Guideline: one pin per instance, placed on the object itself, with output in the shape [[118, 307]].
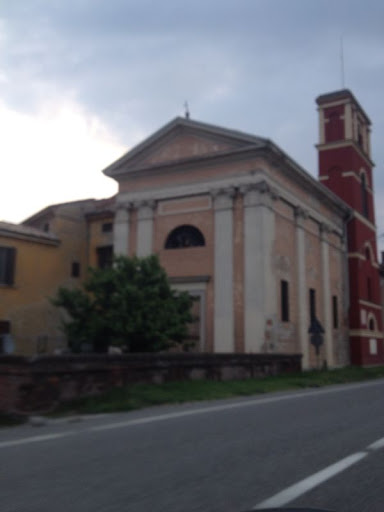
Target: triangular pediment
[[180, 146], [181, 140]]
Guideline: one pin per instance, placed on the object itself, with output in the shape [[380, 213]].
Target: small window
[[183, 237], [104, 256], [335, 312], [7, 265], [359, 135], [364, 195], [107, 227], [75, 269], [284, 301], [369, 288], [371, 324], [46, 227], [5, 329], [312, 304]]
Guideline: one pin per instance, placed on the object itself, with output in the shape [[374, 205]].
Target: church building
[[278, 261]]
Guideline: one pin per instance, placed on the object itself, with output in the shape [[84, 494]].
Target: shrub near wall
[[29, 385]]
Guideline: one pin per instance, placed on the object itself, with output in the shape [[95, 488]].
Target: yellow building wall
[[26, 303], [97, 238], [40, 268]]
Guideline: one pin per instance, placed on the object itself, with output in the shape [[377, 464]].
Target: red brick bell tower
[[345, 167]]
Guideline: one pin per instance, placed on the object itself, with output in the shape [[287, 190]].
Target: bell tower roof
[[342, 120], [342, 96]]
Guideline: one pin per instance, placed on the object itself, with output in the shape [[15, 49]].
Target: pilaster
[[145, 212], [327, 299], [259, 278], [223, 270], [302, 300], [121, 230]]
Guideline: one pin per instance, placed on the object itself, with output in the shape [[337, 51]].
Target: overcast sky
[[82, 81]]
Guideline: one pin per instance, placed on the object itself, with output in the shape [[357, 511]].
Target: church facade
[[270, 253], [239, 224]]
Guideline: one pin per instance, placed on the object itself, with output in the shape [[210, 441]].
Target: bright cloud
[[53, 156]]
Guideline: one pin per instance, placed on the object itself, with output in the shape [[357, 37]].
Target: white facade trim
[[365, 333], [370, 304], [363, 220], [302, 300], [224, 324], [326, 297], [144, 228], [121, 232], [201, 188], [259, 278]]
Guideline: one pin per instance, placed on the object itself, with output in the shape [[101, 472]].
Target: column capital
[[301, 215], [145, 208], [121, 209], [223, 198], [258, 194], [325, 229], [120, 203]]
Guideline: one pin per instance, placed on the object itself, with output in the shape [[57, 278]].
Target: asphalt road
[[322, 448]]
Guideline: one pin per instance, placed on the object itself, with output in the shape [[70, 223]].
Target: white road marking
[[192, 412], [376, 445], [225, 407], [35, 439], [295, 491], [201, 410]]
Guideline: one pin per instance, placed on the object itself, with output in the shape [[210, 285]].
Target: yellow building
[[50, 249]]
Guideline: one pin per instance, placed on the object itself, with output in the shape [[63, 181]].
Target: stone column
[[327, 299], [121, 230], [302, 292], [259, 278], [145, 211], [223, 270]]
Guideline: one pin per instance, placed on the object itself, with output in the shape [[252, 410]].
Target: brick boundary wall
[[38, 384]]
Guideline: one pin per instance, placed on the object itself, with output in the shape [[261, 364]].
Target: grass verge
[[137, 396], [10, 420]]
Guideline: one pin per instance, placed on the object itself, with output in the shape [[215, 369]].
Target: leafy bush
[[130, 305]]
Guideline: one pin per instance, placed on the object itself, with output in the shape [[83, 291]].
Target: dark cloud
[[251, 65]]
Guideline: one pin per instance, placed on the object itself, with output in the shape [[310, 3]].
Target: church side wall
[[299, 250], [285, 259]]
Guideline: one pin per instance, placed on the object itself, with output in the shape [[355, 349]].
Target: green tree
[[130, 305]]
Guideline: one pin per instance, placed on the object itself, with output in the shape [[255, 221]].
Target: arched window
[[364, 194], [359, 135], [184, 236], [371, 322]]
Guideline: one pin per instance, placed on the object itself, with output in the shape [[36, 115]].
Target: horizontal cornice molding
[[29, 238], [255, 178], [327, 146]]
